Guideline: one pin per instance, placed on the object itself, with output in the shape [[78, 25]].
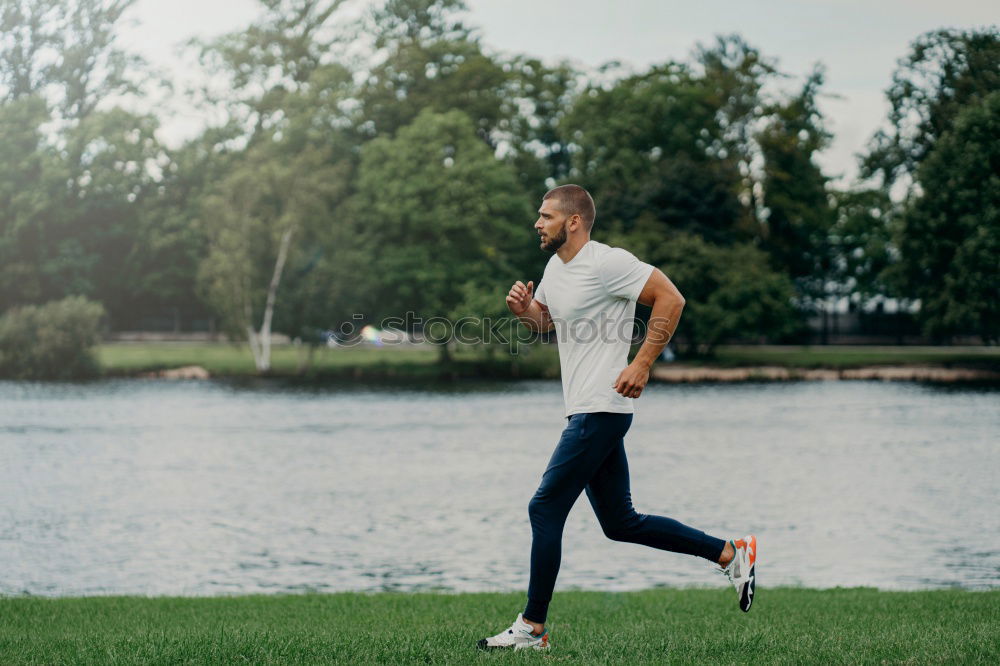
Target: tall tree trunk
[[444, 354], [272, 292], [248, 319], [260, 343]]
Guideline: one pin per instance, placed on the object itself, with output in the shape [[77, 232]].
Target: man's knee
[[537, 509], [621, 529], [616, 532], [545, 515]]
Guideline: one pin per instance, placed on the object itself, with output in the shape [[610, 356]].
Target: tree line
[[391, 163]]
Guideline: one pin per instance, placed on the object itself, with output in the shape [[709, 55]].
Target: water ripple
[[203, 488]]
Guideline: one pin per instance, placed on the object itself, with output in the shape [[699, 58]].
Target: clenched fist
[[520, 297]]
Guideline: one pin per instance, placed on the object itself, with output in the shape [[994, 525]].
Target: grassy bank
[[789, 626], [535, 360], [368, 362]]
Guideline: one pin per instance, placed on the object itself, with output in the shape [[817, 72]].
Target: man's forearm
[[534, 318], [663, 320]]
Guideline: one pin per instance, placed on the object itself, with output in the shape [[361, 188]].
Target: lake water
[[202, 488]]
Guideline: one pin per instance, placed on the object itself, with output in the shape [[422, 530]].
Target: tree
[[797, 210], [64, 51], [25, 185], [731, 290], [281, 54], [945, 71], [84, 168], [537, 99], [861, 243], [431, 61], [436, 215], [251, 220], [273, 223], [651, 145], [949, 237], [735, 74]]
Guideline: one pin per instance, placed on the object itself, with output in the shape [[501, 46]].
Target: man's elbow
[[674, 298]]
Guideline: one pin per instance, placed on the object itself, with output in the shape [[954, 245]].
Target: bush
[[731, 291], [51, 341]]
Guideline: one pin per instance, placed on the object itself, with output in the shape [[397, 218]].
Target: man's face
[[551, 225]]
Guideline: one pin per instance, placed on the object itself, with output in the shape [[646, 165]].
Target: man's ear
[[577, 220]]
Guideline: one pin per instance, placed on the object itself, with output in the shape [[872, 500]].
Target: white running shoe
[[518, 637], [741, 570]]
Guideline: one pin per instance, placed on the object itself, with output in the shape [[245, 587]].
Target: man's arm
[[521, 302], [667, 303]]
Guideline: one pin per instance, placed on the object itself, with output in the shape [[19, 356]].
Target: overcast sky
[[859, 41]]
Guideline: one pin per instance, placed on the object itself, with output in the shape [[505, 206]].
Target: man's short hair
[[574, 200]]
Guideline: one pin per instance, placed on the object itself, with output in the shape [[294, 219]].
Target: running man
[[588, 294]]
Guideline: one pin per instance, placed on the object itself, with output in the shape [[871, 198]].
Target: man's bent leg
[[611, 498], [584, 445]]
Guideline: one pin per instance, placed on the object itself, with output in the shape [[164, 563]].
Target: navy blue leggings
[[591, 456]]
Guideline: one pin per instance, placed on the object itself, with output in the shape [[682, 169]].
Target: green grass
[[788, 626], [535, 360], [369, 362]]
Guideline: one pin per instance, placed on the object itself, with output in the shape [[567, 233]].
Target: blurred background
[[249, 190]]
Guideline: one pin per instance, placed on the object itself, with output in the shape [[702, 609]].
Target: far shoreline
[[408, 365], [663, 374]]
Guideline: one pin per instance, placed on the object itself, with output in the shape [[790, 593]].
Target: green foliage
[[70, 224], [24, 201], [431, 63], [482, 321], [51, 341], [268, 200], [434, 211], [537, 99], [731, 291], [89, 68], [281, 54], [403, 179], [76, 174], [945, 71], [950, 236], [650, 146], [798, 211], [735, 75], [861, 243]]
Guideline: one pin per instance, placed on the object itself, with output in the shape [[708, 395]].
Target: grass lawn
[[386, 362], [790, 626], [535, 360]]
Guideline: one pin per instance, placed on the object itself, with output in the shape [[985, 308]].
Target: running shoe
[[518, 637], [741, 570]]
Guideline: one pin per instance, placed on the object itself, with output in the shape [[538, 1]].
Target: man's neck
[[572, 247]]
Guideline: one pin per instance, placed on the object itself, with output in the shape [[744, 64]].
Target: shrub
[[731, 291], [51, 341]]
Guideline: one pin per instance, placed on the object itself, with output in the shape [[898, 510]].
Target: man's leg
[[585, 443], [611, 498]]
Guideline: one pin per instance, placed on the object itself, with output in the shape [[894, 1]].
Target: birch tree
[[252, 221]]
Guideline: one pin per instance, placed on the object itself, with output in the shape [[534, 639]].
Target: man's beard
[[555, 242]]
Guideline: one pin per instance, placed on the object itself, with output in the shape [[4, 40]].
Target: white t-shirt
[[591, 299]]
